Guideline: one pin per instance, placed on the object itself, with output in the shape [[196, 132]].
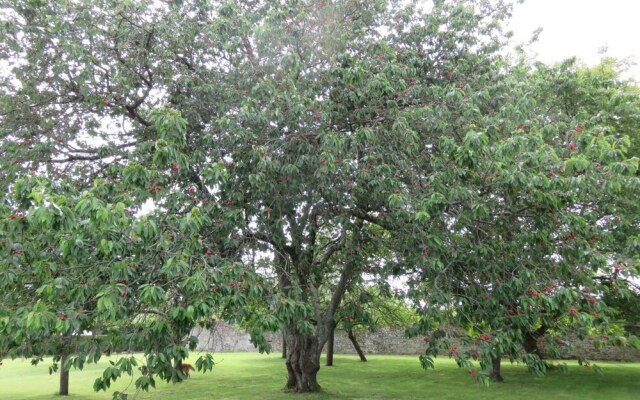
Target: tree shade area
[[292, 165]]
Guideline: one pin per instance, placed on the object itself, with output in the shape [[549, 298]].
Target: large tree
[[543, 220]]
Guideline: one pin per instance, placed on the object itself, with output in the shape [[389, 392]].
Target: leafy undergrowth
[[255, 376]]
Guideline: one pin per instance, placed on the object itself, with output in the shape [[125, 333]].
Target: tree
[[368, 307], [83, 280], [537, 212], [284, 125]]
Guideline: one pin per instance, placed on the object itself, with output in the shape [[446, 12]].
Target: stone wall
[[223, 337], [383, 341], [585, 348]]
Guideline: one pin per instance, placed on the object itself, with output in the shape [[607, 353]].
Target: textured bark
[[64, 377], [303, 360], [495, 374], [284, 346], [332, 334], [352, 337]]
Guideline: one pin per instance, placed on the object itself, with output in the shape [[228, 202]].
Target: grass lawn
[[256, 376]]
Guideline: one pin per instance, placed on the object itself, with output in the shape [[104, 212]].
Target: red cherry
[[175, 167]]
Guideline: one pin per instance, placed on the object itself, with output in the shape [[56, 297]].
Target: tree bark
[[495, 374], [303, 360], [64, 377], [284, 346], [530, 345], [332, 333], [352, 337]]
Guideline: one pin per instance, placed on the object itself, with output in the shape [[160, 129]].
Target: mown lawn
[[255, 376]]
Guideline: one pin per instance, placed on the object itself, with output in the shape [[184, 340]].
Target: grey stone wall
[[383, 341], [223, 337], [585, 348]]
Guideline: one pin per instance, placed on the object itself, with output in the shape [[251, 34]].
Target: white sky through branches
[[580, 28]]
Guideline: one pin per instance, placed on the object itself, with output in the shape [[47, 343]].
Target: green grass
[[255, 376]]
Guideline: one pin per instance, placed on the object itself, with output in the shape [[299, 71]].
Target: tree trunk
[[303, 360], [284, 345], [352, 337], [332, 333], [64, 377], [530, 344], [495, 374], [177, 366]]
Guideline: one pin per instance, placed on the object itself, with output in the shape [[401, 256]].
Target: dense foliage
[[542, 220]]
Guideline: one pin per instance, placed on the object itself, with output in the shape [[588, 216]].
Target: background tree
[[368, 308]]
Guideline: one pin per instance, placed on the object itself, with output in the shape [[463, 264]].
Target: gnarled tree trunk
[[352, 337], [64, 377], [303, 360], [495, 374]]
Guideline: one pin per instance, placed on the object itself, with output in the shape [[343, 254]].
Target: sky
[[580, 28]]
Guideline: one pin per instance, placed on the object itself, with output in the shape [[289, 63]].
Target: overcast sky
[[580, 28]]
